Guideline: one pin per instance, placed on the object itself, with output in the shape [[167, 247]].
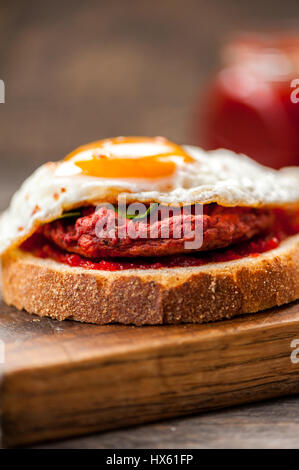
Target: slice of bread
[[170, 295]]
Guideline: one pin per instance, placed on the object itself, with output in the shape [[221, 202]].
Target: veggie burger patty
[[222, 226]]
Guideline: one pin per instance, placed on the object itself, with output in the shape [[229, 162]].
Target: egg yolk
[[129, 157]]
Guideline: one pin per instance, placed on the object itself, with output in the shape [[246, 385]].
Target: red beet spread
[[284, 225]]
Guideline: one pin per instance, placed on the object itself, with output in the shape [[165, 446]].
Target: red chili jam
[[285, 225]]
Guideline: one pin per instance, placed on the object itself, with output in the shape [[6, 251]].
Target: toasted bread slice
[[153, 296]]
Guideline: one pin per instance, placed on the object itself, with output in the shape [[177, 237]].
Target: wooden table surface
[[273, 424], [76, 71], [269, 425]]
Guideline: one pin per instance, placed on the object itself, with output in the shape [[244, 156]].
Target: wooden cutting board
[[65, 378]]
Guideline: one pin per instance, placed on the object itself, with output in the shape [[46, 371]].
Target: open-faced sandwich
[[143, 231]]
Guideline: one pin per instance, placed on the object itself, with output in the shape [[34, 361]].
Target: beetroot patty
[[222, 226]]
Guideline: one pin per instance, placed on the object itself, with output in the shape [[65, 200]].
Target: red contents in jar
[[251, 106]]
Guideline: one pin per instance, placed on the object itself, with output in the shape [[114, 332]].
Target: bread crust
[[150, 297]]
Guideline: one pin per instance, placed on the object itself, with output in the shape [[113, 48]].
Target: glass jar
[[252, 104]]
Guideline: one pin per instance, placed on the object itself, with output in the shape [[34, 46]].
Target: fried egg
[[143, 169]]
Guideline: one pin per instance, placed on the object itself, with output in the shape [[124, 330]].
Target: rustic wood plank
[[63, 379]]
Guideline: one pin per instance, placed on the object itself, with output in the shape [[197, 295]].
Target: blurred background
[[78, 71]]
